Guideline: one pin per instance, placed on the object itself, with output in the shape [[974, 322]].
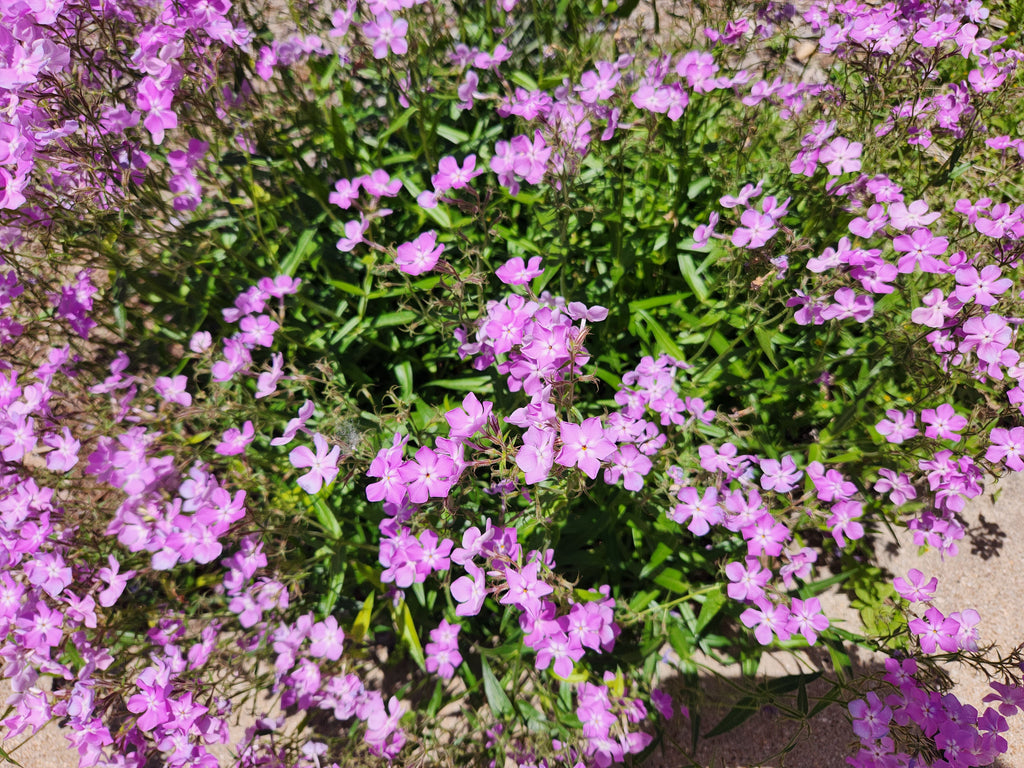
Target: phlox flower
[[386, 33], [234, 441], [899, 487], [779, 476], [354, 231], [173, 390], [935, 631], [981, 287], [469, 591], [913, 588], [943, 422], [64, 455], [841, 156], [266, 383], [378, 183], [598, 85], [327, 639], [988, 336], [807, 619], [345, 193], [537, 454], [843, 521], [1007, 446], [420, 255], [898, 427], [747, 581], [702, 511], [429, 475], [470, 418], [323, 466], [559, 652], [516, 272], [294, 425], [629, 464], [871, 717], [442, 653], [584, 446], [757, 229], [769, 620], [450, 175]]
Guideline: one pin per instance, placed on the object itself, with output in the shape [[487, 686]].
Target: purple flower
[[327, 639], [323, 466], [584, 446], [914, 588], [419, 255], [757, 229], [469, 591], [173, 390], [841, 156], [235, 441], [387, 33], [516, 272]]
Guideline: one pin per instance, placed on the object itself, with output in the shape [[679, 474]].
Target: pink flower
[[584, 446], [323, 466], [943, 422], [757, 229], [841, 156], [235, 441], [469, 591], [898, 426], [387, 32], [516, 272], [173, 390], [419, 255]]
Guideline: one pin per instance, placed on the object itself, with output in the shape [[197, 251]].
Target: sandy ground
[[986, 575]]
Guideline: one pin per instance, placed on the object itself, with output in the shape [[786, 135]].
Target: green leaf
[[326, 517], [361, 625], [434, 705], [411, 638], [745, 709], [764, 339], [694, 280], [454, 135], [496, 697], [672, 580], [713, 603], [661, 554], [299, 252], [661, 335], [781, 685], [398, 123], [479, 384]]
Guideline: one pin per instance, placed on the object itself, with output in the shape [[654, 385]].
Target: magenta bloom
[[387, 33], [327, 639], [769, 620], [757, 229], [914, 588], [870, 717], [525, 589], [584, 446], [841, 156], [1007, 446], [469, 591], [898, 426], [516, 272], [235, 441], [943, 422], [419, 255], [323, 466]]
